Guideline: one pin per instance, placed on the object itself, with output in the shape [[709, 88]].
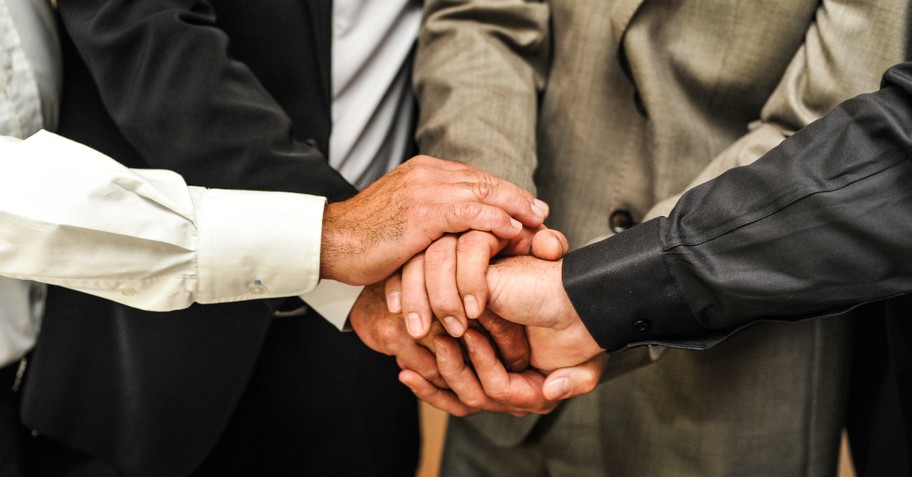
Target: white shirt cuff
[[334, 300], [257, 244]]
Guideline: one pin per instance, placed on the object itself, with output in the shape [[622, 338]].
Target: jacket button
[[311, 142], [620, 220], [641, 326]]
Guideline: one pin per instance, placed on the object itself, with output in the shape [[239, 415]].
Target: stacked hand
[[525, 290], [463, 332]]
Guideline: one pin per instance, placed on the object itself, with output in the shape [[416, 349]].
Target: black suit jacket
[[230, 94]]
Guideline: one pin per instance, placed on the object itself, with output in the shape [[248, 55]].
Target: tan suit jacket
[[612, 108]]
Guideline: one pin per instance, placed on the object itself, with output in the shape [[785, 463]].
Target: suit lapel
[[621, 15]]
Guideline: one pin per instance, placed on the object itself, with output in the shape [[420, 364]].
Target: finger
[[422, 361], [474, 250], [510, 339], [516, 201], [575, 381], [458, 217], [479, 186], [440, 279], [415, 307], [519, 245], [460, 377], [521, 391], [549, 244], [491, 374], [427, 341], [393, 290], [439, 398]]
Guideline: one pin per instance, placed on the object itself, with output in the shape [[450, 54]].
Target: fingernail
[[540, 207], [413, 325], [394, 302], [516, 224], [454, 326], [471, 306], [559, 388], [557, 241]]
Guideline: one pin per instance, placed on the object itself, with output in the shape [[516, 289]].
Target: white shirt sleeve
[[333, 301], [73, 217]]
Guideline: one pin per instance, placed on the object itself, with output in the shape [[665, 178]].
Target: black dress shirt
[[819, 225]]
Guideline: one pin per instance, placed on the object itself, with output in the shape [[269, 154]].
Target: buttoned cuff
[[624, 294], [257, 244]]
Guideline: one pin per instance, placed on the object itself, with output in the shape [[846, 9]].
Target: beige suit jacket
[[608, 107]]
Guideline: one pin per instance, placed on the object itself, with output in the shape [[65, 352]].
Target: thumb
[[574, 381], [528, 291], [549, 244]]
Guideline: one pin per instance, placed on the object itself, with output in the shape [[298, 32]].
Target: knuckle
[[474, 401], [433, 376], [389, 332], [420, 172], [483, 187], [446, 306], [438, 252], [499, 327], [469, 211], [498, 393], [474, 242]]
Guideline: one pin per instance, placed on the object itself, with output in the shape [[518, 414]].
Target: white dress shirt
[[29, 96], [372, 103], [73, 217], [372, 107], [372, 112]]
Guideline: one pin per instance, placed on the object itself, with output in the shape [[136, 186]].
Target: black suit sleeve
[[167, 78], [820, 224]]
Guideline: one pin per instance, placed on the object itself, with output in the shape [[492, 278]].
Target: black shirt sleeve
[[819, 225]]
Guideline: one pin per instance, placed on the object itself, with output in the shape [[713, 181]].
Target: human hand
[[385, 333], [449, 279], [530, 291], [368, 237], [491, 387]]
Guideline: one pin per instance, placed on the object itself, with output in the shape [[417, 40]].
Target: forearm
[[821, 223], [75, 218]]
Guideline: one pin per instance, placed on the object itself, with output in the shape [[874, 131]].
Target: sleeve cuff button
[[257, 288]]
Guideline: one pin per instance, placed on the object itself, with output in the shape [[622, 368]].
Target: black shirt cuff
[[623, 292]]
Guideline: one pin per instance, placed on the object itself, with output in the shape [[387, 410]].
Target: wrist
[[331, 244]]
